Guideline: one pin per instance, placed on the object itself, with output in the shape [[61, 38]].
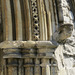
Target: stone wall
[[67, 13]]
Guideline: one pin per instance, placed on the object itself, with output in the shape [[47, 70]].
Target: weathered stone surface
[[28, 44], [65, 56], [63, 33], [65, 53], [37, 37]]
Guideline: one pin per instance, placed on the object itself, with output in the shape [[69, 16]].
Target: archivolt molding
[[35, 19]]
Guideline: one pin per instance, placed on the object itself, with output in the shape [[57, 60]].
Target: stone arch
[[29, 20], [32, 24]]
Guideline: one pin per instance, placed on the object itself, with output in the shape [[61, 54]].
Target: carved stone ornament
[[63, 32]]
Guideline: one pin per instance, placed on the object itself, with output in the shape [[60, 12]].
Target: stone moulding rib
[[28, 49], [18, 19], [7, 20]]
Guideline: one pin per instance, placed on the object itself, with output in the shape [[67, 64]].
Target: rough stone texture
[[65, 53], [65, 56], [67, 13]]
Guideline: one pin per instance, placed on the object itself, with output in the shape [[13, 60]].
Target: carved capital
[[25, 49]]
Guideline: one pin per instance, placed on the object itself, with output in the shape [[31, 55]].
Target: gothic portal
[[27, 28]]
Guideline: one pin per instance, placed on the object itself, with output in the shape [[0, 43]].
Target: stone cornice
[[28, 49], [28, 44]]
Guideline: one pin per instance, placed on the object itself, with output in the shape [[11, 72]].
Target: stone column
[[18, 19], [29, 58], [7, 19], [11, 61]]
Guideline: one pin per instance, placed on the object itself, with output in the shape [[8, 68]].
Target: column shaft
[[7, 18], [18, 19]]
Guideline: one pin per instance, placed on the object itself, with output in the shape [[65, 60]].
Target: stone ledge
[[28, 44], [31, 49]]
